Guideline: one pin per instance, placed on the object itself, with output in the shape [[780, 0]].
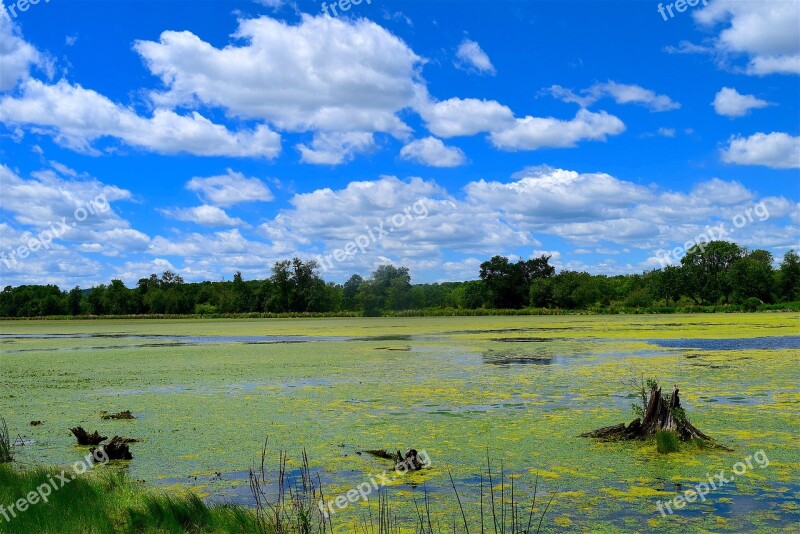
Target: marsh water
[[206, 394]]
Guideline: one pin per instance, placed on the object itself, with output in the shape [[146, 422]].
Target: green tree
[[753, 276], [706, 271], [789, 277]]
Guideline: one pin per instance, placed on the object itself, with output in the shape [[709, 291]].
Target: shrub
[[666, 441], [5, 443], [752, 304]]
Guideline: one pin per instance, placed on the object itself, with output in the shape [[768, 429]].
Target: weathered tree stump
[[84, 438], [116, 449], [661, 413], [411, 461]]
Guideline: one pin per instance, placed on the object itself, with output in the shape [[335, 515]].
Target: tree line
[[716, 273]]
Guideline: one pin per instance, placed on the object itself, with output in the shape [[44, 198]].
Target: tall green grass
[[5, 443], [106, 501], [667, 441]]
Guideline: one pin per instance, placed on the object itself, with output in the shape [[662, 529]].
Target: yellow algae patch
[[562, 521]]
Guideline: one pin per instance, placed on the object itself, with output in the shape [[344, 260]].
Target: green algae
[[450, 388]]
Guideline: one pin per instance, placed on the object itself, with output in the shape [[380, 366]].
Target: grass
[[101, 502], [5, 443], [108, 501], [667, 441]]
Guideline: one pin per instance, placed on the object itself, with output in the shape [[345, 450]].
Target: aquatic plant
[[5, 443], [667, 441]]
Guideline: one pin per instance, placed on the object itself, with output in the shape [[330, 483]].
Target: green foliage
[[713, 277], [5, 443], [509, 283], [103, 501], [205, 309], [667, 441], [752, 304], [707, 271], [789, 277], [679, 414]]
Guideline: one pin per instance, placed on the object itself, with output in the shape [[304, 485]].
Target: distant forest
[[716, 274]]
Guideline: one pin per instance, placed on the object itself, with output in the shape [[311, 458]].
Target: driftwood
[[120, 415], [116, 449], [411, 461], [84, 438], [661, 413]]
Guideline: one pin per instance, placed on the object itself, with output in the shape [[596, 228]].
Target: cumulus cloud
[[204, 215], [229, 189], [77, 215], [335, 148], [432, 151], [471, 57], [76, 117], [621, 93], [776, 150], [730, 103], [47, 197], [324, 73], [465, 116], [766, 33], [532, 133], [17, 56], [326, 219]]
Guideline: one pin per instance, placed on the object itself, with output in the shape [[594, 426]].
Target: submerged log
[[661, 413], [116, 449], [84, 438], [411, 461], [119, 415]]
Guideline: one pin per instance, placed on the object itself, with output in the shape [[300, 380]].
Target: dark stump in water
[[411, 461], [661, 413], [84, 438], [119, 415], [116, 449]]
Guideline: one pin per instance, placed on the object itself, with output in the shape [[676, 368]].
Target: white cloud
[[16, 56], [730, 103], [541, 195], [76, 117], [776, 150], [465, 116], [432, 151], [46, 198], [229, 189], [532, 133], [621, 93], [472, 58], [325, 73], [766, 32], [204, 215], [324, 220], [79, 216], [335, 148]]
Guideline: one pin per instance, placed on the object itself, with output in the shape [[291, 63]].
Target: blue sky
[[215, 137]]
